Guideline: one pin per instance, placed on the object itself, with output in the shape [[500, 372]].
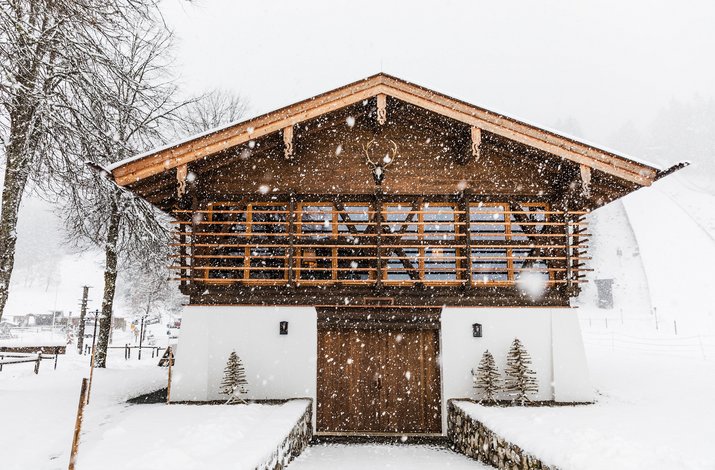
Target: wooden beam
[[223, 139], [476, 141], [391, 83], [181, 172], [642, 176], [586, 180], [381, 108], [211, 144], [288, 142]]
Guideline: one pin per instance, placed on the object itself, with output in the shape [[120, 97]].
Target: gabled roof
[[213, 142]]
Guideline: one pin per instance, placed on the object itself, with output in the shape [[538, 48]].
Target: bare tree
[[50, 50], [210, 111], [146, 290], [133, 110]]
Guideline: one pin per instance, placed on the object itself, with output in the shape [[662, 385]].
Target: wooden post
[[291, 240], [57, 353], [91, 372], [378, 233], [569, 243], [194, 228], [82, 318], [78, 423], [37, 363], [141, 338], [168, 385], [467, 231]]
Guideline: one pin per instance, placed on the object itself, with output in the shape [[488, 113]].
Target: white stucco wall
[[277, 366], [286, 366], [551, 336]]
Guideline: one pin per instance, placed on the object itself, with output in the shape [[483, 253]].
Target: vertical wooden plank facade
[[378, 377]]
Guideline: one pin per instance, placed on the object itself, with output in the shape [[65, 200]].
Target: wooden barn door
[[378, 377]]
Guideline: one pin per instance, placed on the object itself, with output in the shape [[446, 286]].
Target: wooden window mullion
[[506, 208], [291, 241], [334, 219], [247, 249], [422, 250], [378, 237], [467, 231]]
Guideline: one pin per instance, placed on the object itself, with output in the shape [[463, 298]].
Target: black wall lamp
[[477, 330], [283, 329]]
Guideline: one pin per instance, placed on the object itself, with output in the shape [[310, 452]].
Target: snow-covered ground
[[187, 437], [652, 356], [38, 416], [38, 411], [382, 456], [652, 412]]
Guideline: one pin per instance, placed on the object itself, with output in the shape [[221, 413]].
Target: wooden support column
[[378, 232], [291, 240], [194, 199], [467, 231], [569, 266], [288, 142]]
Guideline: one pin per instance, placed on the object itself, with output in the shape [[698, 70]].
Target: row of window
[[489, 221], [501, 239]]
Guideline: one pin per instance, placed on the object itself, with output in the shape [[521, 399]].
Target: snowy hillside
[[658, 245]]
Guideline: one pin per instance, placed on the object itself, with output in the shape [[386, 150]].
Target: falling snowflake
[[350, 121]]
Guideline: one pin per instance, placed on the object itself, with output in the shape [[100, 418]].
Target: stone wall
[[293, 444], [475, 440]]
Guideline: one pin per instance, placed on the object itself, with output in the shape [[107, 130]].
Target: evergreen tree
[[486, 377], [520, 379], [234, 379]]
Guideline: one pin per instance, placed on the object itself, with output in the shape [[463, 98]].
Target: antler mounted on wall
[[378, 167]]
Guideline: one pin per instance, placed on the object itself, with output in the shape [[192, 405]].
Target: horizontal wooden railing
[[319, 243]]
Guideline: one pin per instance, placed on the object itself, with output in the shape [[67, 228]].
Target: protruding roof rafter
[[381, 85]]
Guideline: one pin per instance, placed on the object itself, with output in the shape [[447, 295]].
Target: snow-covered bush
[[234, 381], [486, 377], [520, 379]]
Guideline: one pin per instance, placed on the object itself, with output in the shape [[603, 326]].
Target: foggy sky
[[604, 63], [588, 68]]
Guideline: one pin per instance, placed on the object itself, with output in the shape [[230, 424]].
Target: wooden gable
[[444, 146]]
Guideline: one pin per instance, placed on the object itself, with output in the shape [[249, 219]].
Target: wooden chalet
[[378, 205]]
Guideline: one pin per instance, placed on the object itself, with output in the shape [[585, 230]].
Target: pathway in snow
[[381, 456]]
